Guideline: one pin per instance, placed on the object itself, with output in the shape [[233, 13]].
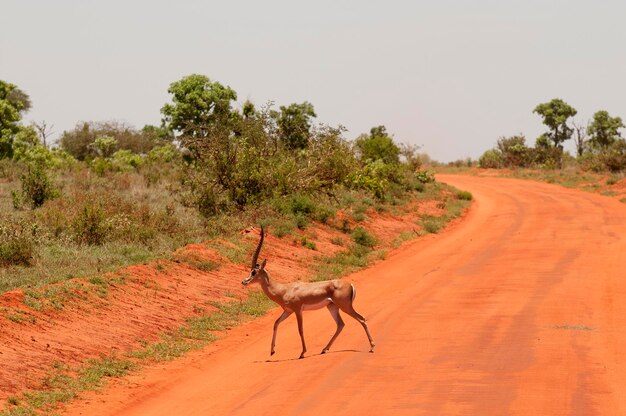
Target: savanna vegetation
[[107, 194], [599, 145]]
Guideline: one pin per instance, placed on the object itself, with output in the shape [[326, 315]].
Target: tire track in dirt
[[520, 309]]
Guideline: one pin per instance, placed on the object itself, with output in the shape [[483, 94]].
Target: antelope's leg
[[301, 331], [350, 311], [281, 318], [334, 311]]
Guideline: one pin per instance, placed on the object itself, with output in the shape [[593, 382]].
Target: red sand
[[517, 310], [152, 299]]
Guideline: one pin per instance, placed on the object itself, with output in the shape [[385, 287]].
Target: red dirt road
[[520, 309]]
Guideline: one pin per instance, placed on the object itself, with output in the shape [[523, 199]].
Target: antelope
[[297, 297]]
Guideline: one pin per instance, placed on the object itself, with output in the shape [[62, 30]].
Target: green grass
[[200, 264], [404, 236], [304, 242], [231, 249], [58, 295], [344, 262]]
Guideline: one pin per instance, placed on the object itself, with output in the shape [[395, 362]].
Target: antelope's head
[[256, 269]]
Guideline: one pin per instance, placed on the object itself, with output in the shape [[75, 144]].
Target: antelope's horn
[[258, 249]]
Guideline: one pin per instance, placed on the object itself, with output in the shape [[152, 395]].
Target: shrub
[[125, 160], [37, 187], [614, 156], [514, 152], [491, 159], [432, 226], [90, 226], [363, 238], [308, 244], [464, 195], [301, 205], [425, 176], [17, 244]]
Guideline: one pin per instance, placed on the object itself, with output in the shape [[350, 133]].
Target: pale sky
[[452, 76]]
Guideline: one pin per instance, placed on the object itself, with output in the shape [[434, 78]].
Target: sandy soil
[[146, 300], [517, 310]]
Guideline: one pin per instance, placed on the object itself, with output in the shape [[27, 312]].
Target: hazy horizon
[[450, 76]]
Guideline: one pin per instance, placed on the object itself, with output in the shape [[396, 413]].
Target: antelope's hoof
[[301, 356], [272, 353], [324, 352]]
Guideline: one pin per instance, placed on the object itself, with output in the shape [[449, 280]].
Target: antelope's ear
[[263, 263]]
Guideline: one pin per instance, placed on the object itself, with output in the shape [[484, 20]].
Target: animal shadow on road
[[304, 358]]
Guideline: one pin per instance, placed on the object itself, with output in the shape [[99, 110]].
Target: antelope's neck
[[272, 289]]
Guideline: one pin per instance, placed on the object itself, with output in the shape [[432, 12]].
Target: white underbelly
[[319, 305]]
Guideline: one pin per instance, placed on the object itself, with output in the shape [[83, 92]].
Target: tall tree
[[13, 104], [198, 103], [294, 124], [555, 114], [604, 129]]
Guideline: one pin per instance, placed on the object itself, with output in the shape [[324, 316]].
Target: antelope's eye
[[253, 272]]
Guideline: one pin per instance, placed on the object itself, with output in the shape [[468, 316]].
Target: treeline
[[599, 145], [228, 157], [108, 193]]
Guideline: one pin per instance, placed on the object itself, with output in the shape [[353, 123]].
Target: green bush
[[614, 156], [363, 238], [17, 244], [125, 160], [90, 225], [425, 176], [37, 187], [301, 205], [491, 159], [464, 195]]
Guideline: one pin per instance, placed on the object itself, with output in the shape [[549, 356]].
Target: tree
[[198, 103], [158, 133], [13, 104], [378, 146], [580, 138], [248, 110], [79, 141], [294, 124], [44, 131], [555, 115], [378, 131], [604, 129]]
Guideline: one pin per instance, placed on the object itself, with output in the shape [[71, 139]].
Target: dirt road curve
[[518, 310]]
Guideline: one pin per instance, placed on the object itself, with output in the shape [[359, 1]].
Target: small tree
[[37, 187], [555, 114], [294, 124], [13, 104], [105, 146], [198, 102], [378, 145], [604, 129], [580, 137]]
